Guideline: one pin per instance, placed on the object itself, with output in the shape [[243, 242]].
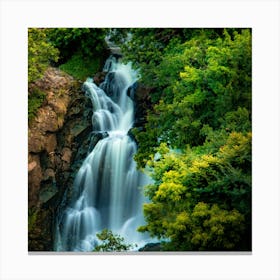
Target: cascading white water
[[107, 189]]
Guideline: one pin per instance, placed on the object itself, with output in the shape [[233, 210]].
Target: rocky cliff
[[61, 126]]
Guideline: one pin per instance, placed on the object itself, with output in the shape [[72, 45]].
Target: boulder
[[47, 119], [49, 174], [54, 79], [47, 191], [66, 154], [140, 94], [151, 247], [79, 128], [95, 137], [99, 78], [58, 104], [31, 165], [36, 140]]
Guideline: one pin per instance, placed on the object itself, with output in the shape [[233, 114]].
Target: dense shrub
[[40, 53]]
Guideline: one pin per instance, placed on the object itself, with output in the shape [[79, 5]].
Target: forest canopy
[[197, 137]]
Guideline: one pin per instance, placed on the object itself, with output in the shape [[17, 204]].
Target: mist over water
[[107, 191]]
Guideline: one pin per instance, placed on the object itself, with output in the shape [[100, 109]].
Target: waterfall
[[107, 191]]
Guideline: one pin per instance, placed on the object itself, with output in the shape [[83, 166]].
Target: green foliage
[[196, 140], [111, 242], [148, 49], [185, 181], [206, 228], [197, 83], [81, 67], [40, 53], [35, 100], [89, 42], [32, 218]]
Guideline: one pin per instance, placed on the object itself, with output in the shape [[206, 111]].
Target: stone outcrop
[[152, 247], [42, 138], [62, 125], [99, 77], [140, 94]]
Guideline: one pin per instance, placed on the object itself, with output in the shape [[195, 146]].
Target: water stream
[[107, 190]]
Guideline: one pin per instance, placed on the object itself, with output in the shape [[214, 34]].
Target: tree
[[189, 182], [196, 140], [206, 227], [82, 50], [40, 53], [200, 81], [111, 242], [89, 42]]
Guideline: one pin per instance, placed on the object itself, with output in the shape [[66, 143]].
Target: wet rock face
[[99, 78], [140, 94]]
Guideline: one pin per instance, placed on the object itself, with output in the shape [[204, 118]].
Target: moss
[[81, 67], [35, 100], [32, 218], [61, 92]]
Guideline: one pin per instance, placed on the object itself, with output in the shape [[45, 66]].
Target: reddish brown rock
[[66, 158], [54, 79], [58, 102], [52, 145], [31, 165], [34, 179], [47, 119], [36, 140], [49, 174], [42, 140], [66, 155], [51, 142]]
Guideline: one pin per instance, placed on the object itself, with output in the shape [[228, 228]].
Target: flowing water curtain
[[107, 191]]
